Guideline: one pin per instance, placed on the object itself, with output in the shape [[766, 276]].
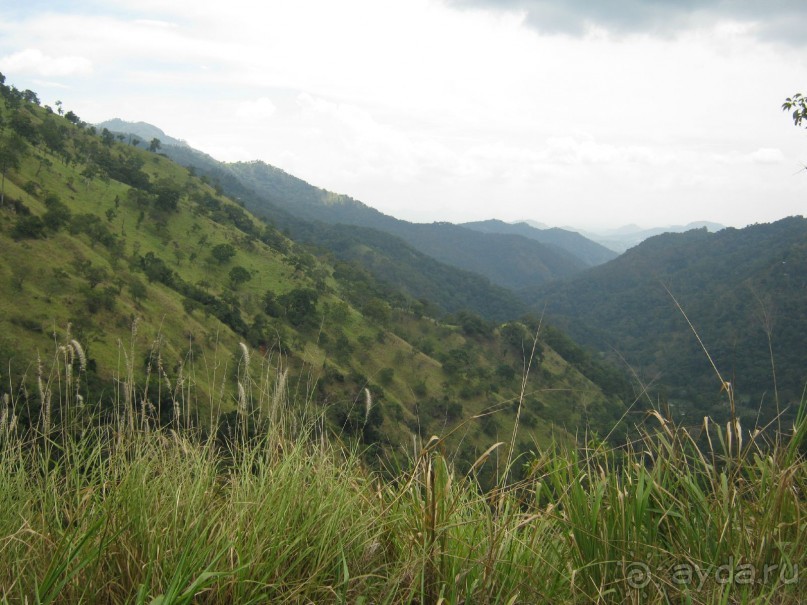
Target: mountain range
[[628, 236], [615, 304], [508, 258], [158, 292]]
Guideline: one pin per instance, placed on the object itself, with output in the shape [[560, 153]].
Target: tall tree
[[11, 146], [30, 96]]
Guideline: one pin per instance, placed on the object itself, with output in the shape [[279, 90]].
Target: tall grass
[[276, 511]]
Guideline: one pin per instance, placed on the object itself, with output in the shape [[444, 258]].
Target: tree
[[53, 133], [300, 304], [155, 144], [28, 227], [22, 124], [10, 147], [57, 214], [72, 118], [377, 310], [222, 252], [168, 194], [239, 275], [271, 306], [30, 96], [107, 137], [473, 325], [137, 289], [798, 104]]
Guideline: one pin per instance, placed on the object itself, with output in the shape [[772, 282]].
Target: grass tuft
[[132, 511]]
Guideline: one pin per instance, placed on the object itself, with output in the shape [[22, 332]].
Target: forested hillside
[[590, 252], [745, 292], [168, 289], [387, 257], [507, 260]]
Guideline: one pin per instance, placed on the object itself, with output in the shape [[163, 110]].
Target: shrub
[[28, 227]]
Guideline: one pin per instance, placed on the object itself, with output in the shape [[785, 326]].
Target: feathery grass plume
[[4, 415], [162, 373], [244, 355], [242, 399], [67, 352], [368, 404], [44, 397], [79, 352], [279, 392]]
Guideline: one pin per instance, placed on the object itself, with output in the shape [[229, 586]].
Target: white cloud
[[419, 108], [763, 155], [767, 155], [34, 62], [258, 109]]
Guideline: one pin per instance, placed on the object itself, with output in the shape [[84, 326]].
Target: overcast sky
[[591, 114]]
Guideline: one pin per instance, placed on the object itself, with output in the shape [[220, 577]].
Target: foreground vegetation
[[109, 506]]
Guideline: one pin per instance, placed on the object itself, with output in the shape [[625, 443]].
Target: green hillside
[[387, 257], [507, 260], [745, 292], [161, 279]]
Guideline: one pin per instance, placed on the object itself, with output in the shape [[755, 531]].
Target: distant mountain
[[387, 257], [532, 223], [736, 286], [507, 260], [628, 236], [144, 131], [589, 252]]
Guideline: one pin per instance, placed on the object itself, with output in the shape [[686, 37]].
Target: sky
[[569, 113]]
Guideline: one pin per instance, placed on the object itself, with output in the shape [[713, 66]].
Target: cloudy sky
[[592, 114]]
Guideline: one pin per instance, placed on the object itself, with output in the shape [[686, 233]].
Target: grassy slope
[[174, 347], [137, 515], [388, 257]]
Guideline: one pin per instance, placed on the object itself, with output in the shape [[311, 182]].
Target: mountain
[[535, 224], [589, 252], [387, 257], [628, 236], [745, 292], [506, 260], [156, 290], [144, 131]]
